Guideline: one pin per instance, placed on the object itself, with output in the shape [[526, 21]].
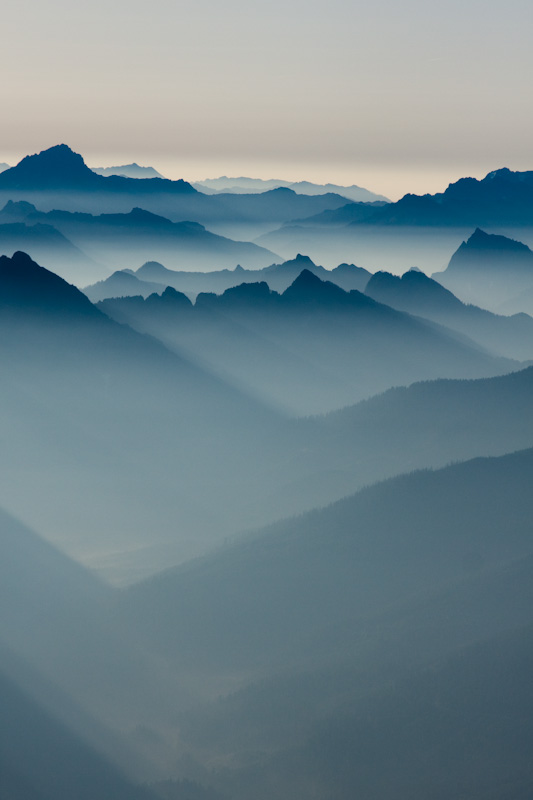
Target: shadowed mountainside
[[311, 349], [83, 397], [417, 294], [363, 614], [92, 409], [488, 269], [41, 759], [125, 238]]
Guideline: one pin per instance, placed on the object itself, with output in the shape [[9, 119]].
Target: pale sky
[[394, 96]]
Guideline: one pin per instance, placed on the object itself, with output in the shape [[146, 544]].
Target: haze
[[396, 97]]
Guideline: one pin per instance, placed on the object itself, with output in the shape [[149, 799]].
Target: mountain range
[[58, 178], [75, 387], [59, 168], [265, 531], [256, 185], [204, 397], [147, 278], [118, 239], [128, 171], [310, 349], [418, 294], [416, 230]]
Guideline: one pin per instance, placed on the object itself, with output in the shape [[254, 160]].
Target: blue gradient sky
[[396, 96]]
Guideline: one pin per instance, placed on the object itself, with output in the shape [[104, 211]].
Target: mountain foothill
[[265, 516]]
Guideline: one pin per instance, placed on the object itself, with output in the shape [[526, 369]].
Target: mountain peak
[[300, 261], [308, 287], [480, 240], [18, 208], [60, 156], [59, 166], [307, 278]]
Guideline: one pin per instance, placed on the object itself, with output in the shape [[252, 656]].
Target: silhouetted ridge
[[411, 288], [480, 240], [502, 197], [19, 208], [56, 167], [246, 295], [171, 297], [304, 262], [59, 167], [491, 252], [307, 287], [26, 285]]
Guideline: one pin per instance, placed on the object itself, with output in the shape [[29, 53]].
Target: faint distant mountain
[[117, 239], [488, 269], [353, 192], [351, 212], [501, 198], [256, 185], [278, 277], [128, 171], [238, 185], [4, 166], [122, 283], [59, 168], [44, 242]]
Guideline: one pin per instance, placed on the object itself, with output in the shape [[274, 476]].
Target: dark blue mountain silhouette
[[413, 292], [417, 294], [27, 286], [501, 198], [308, 289], [488, 269], [278, 277], [59, 178], [485, 251], [332, 347], [61, 168]]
